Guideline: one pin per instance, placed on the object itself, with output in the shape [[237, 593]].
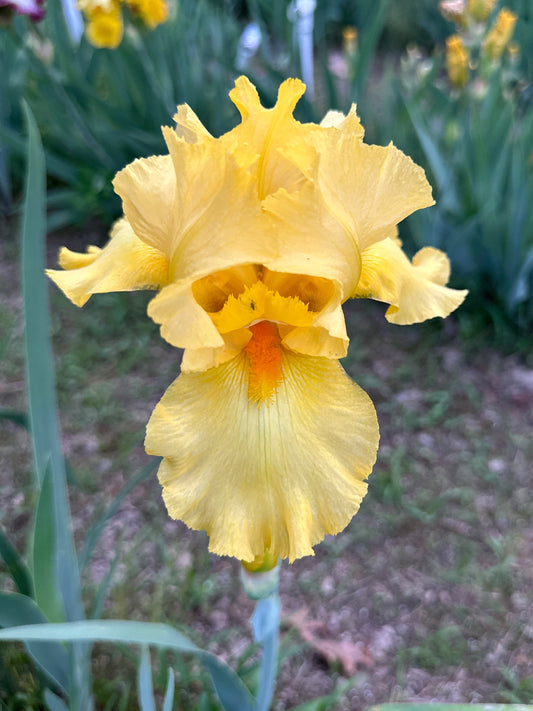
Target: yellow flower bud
[[479, 10], [349, 39], [514, 52], [457, 61], [500, 34]]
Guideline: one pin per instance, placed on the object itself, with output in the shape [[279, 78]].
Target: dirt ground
[[426, 596]]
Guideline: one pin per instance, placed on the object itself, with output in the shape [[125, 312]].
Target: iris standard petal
[[315, 243], [349, 121], [265, 131], [276, 476], [415, 290], [124, 264], [219, 221], [367, 188], [147, 188], [189, 126]]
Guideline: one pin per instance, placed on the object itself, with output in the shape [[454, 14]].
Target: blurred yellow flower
[[104, 19], [457, 61], [104, 25], [254, 240], [151, 12], [499, 36]]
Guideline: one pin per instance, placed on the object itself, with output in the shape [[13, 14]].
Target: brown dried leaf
[[344, 652]]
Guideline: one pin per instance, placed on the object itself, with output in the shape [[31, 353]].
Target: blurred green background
[[98, 109]]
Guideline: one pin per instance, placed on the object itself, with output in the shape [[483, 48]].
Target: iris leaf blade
[[230, 689], [168, 701], [53, 702], [39, 371], [57, 584], [16, 566], [144, 681], [51, 657]]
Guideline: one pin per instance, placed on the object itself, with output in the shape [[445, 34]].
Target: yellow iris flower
[[253, 241], [105, 27], [151, 12]]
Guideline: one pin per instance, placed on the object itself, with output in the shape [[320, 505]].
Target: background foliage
[[97, 110]]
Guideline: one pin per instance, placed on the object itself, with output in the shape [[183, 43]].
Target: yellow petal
[[313, 291], [332, 118], [125, 264], [196, 360], [415, 291], [265, 131], [258, 302], [368, 189], [212, 291], [74, 260], [151, 12], [349, 122], [147, 188], [277, 477], [184, 323], [219, 222], [189, 126], [327, 336], [314, 242]]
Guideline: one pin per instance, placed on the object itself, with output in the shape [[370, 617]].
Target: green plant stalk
[[266, 631], [263, 586]]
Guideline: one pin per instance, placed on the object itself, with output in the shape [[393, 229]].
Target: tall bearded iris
[[253, 241]]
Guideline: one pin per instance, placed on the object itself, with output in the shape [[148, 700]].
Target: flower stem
[[265, 622], [263, 587]]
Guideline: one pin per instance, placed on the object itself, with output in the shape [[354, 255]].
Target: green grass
[[444, 648]]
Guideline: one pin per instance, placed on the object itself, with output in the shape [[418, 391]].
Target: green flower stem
[[265, 622], [263, 587]]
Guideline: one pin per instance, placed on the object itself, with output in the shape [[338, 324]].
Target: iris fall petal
[[415, 290], [255, 477], [124, 264]]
